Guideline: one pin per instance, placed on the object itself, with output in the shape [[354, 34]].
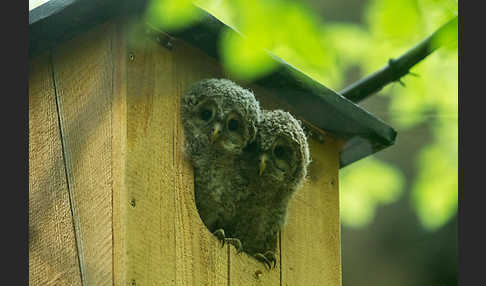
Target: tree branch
[[396, 68]]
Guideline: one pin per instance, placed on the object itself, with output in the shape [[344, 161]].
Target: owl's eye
[[279, 152], [282, 156], [206, 114], [233, 124]]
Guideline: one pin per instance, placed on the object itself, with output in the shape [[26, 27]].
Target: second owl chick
[[276, 167]]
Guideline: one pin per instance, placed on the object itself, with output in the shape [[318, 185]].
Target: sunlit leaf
[[224, 10], [244, 57], [435, 191], [356, 210], [285, 28], [352, 42], [364, 186], [395, 20], [170, 14], [431, 96], [437, 12], [446, 134]]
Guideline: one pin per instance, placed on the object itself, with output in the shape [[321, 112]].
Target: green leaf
[[170, 14], [397, 21], [285, 28], [244, 57], [364, 186], [431, 97], [435, 191]]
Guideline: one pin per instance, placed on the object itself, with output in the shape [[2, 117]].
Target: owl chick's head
[[220, 114], [283, 151]]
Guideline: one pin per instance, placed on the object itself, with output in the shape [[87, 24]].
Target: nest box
[[110, 192]]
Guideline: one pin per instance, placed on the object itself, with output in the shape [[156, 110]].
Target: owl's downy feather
[[275, 165], [219, 119]]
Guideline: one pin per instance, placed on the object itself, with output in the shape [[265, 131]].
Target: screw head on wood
[[258, 274], [132, 202]]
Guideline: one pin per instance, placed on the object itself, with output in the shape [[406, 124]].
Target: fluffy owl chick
[[219, 119], [277, 161]]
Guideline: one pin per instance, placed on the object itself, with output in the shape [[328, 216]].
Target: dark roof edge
[[59, 20], [48, 9]]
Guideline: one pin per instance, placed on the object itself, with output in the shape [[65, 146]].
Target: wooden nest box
[[110, 192]]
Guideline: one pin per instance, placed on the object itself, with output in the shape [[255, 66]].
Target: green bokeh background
[[398, 207]]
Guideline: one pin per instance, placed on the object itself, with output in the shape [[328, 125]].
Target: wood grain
[[244, 270], [83, 79], [311, 245], [167, 241], [53, 258], [119, 153], [200, 259], [149, 169]]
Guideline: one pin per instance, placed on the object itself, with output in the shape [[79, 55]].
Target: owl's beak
[[215, 132], [263, 164]]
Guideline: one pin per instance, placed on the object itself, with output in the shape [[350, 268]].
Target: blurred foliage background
[[399, 207]]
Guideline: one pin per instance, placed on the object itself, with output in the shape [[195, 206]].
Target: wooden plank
[[311, 244], [149, 169], [200, 259], [83, 79], [167, 242], [119, 151], [53, 256]]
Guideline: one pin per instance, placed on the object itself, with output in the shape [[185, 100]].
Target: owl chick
[[219, 119], [277, 164]]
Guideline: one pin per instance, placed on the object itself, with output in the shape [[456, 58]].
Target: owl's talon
[[236, 243], [219, 233], [271, 257], [260, 257]]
